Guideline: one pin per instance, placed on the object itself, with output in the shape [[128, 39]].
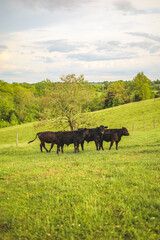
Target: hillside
[[23, 102], [88, 195], [136, 113], [144, 115]]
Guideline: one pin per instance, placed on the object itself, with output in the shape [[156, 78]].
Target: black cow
[[48, 137], [96, 135], [72, 137], [114, 135]]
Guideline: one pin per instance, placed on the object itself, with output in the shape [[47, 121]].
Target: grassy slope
[[90, 195], [133, 113], [125, 115]]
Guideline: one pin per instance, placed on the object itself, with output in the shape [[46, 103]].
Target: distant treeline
[[24, 102]]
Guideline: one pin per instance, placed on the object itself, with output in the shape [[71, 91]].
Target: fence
[[145, 125]]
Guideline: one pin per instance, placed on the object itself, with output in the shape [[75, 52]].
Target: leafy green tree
[[33, 112], [23, 98], [155, 85], [19, 102], [106, 84], [157, 95], [116, 94], [13, 119], [69, 99], [97, 103], [6, 89], [43, 87], [141, 88], [6, 107]]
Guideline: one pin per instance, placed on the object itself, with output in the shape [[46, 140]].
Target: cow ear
[[106, 127]]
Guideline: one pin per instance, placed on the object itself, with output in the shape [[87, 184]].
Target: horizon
[[90, 82]]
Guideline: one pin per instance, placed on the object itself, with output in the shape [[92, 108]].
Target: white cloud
[[50, 5], [46, 39], [127, 7], [145, 35]]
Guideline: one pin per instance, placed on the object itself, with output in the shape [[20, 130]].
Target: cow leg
[[78, 147], [116, 145], [58, 149], [62, 149], [82, 143], [51, 147], [96, 145], [75, 147], [43, 145], [101, 145], [111, 145]]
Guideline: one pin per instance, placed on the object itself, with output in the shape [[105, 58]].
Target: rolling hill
[[88, 195], [138, 115]]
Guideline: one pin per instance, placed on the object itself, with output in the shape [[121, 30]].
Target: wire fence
[[142, 125], [145, 126]]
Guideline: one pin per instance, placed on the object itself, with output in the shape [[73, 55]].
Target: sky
[[104, 40]]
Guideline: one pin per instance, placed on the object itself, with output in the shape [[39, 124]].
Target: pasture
[[87, 195]]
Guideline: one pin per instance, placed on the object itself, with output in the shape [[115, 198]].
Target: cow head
[[125, 131], [102, 129]]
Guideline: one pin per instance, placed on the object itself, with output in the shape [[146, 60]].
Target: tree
[[69, 99], [6, 108], [43, 87], [13, 118], [141, 87], [23, 98], [116, 94]]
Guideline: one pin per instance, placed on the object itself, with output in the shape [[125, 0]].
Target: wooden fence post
[[16, 138]]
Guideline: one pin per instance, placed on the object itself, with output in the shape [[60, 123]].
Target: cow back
[[46, 136]]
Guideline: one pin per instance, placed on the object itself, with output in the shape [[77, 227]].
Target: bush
[[4, 123], [13, 119]]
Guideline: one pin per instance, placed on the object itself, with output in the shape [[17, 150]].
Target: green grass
[[125, 115], [132, 113], [89, 195]]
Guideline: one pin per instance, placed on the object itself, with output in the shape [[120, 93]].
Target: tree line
[[67, 99]]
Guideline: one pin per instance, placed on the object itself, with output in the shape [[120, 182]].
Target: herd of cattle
[[98, 135]]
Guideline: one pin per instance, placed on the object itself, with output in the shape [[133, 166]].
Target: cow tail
[[34, 139]]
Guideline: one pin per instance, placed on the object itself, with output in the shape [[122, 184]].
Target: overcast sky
[[105, 40]]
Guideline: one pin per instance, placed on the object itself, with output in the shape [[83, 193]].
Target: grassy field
[[89, 195]]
